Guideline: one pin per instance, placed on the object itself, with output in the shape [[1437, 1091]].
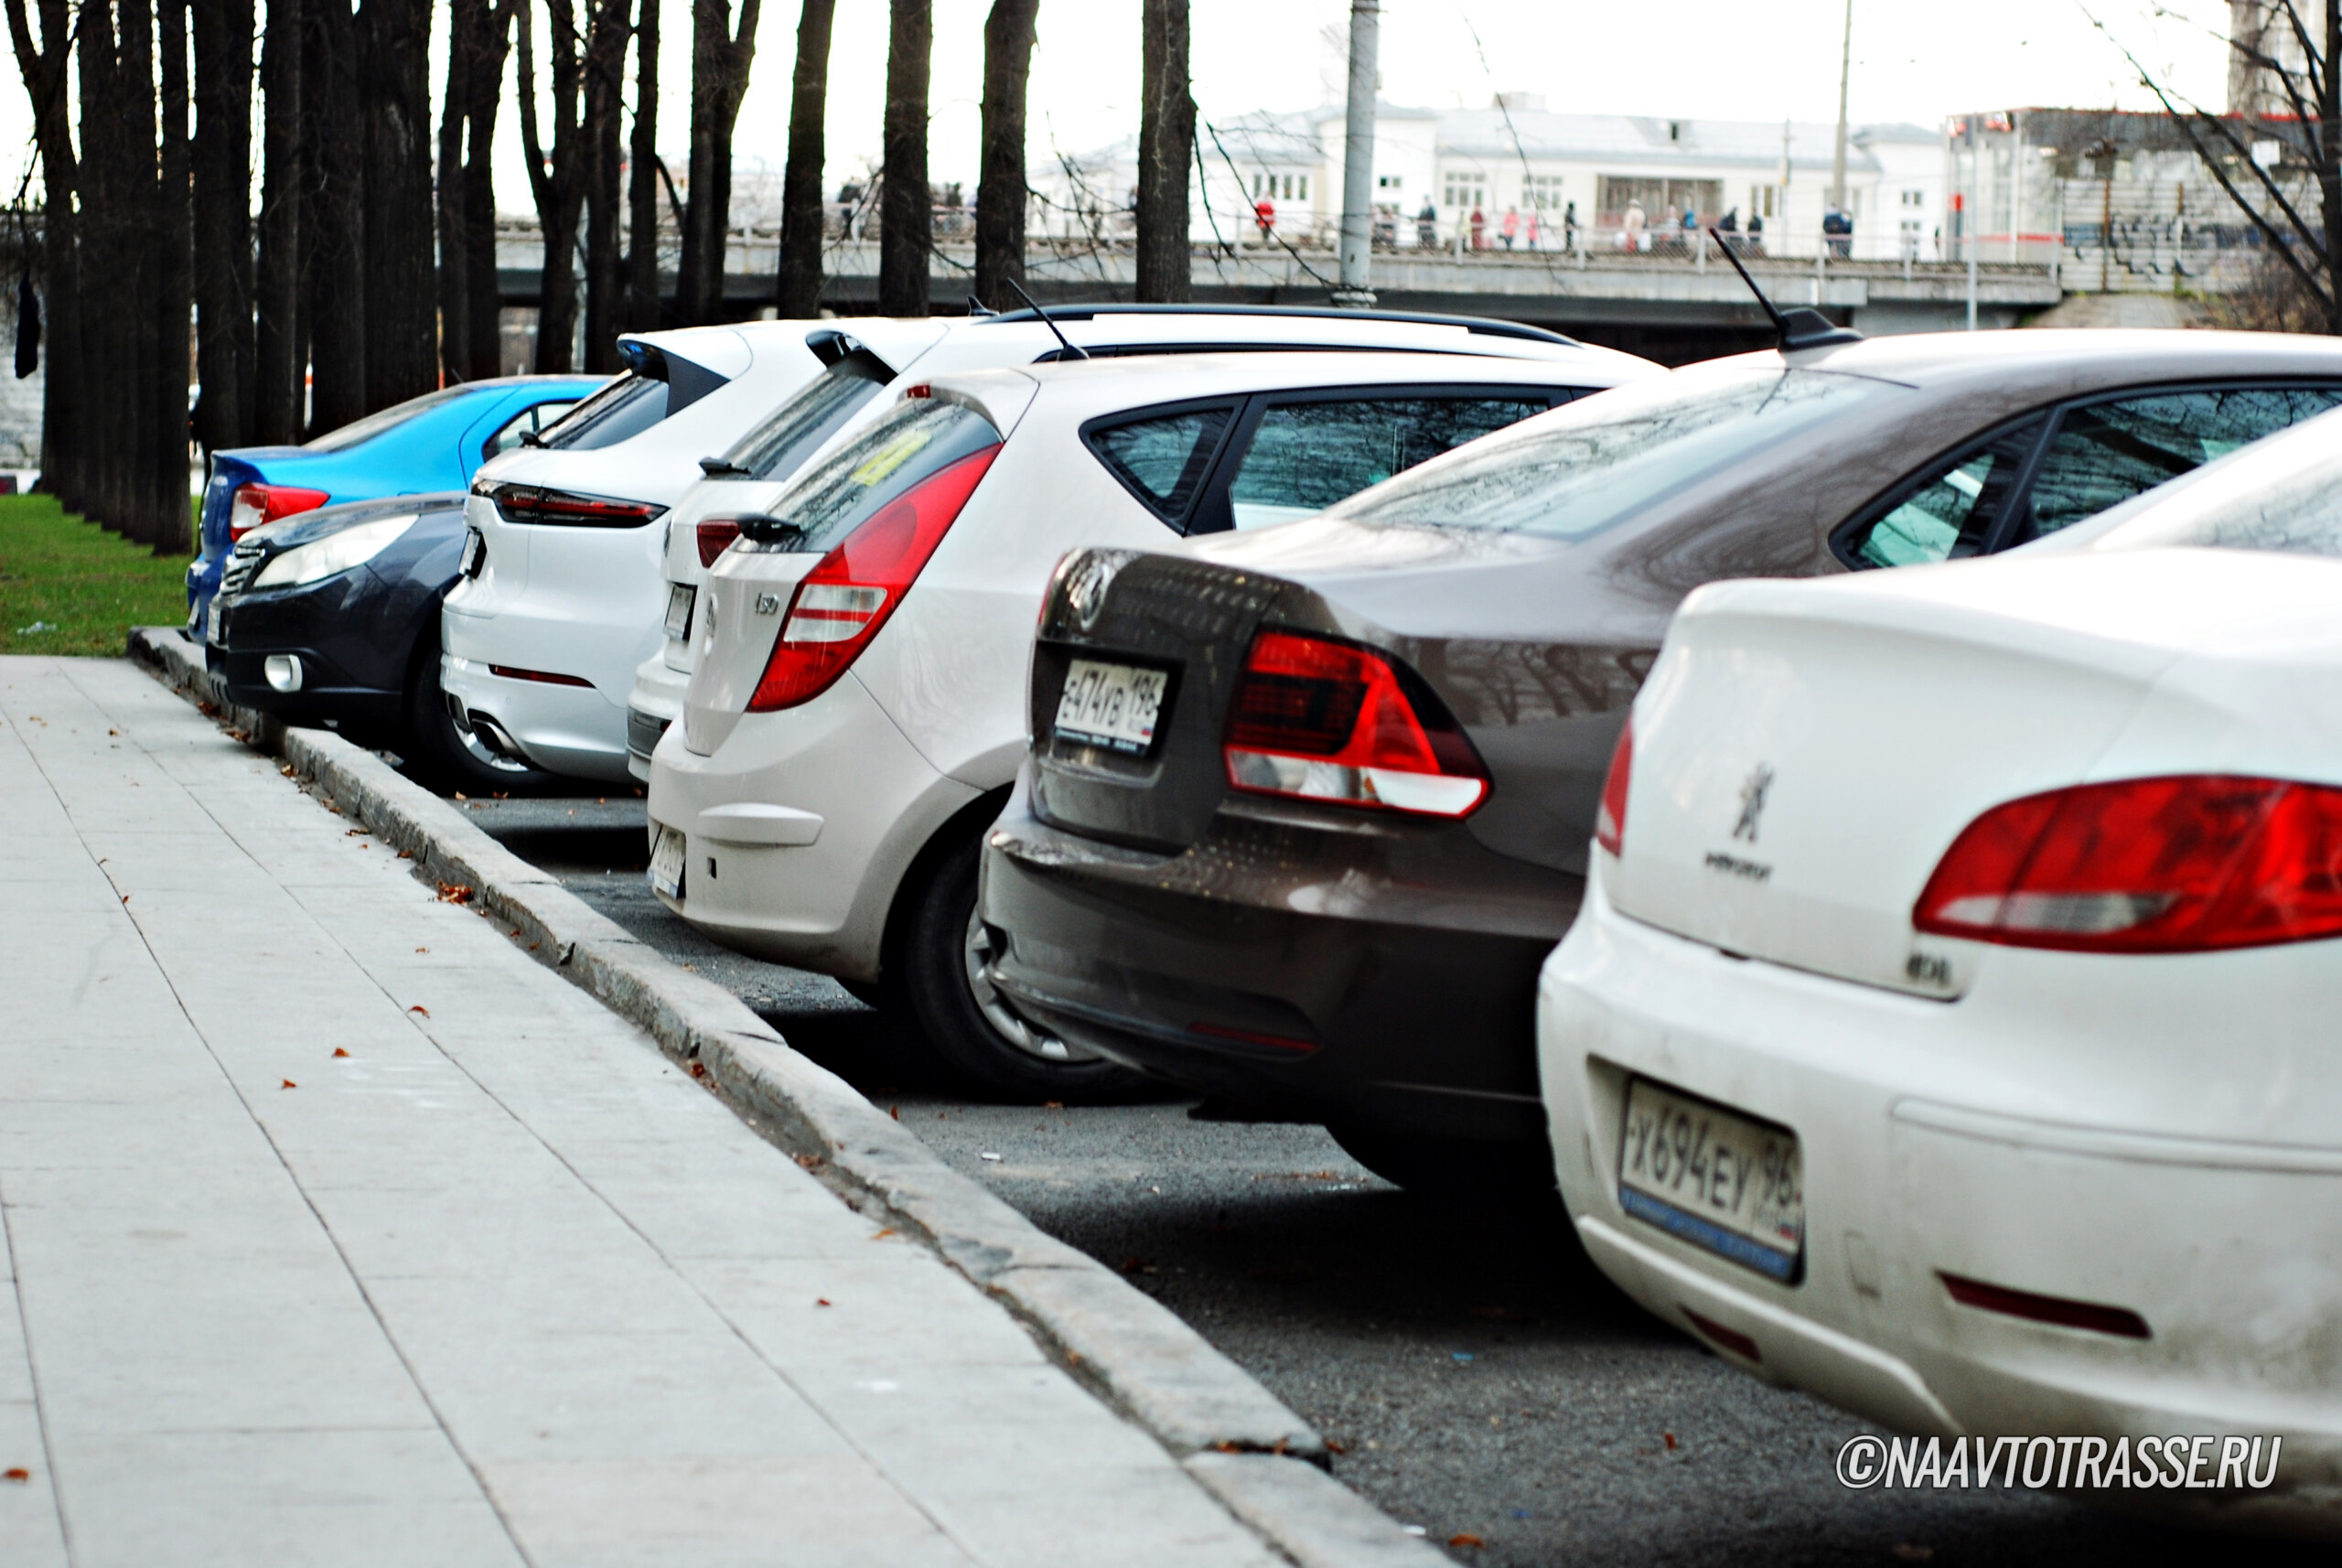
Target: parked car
[[558, 597], [434, 442], [855, 714], [1948, 1029], [870, 362], [1324, 887]]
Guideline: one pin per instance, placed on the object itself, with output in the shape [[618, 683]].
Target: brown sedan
[[1307, 807]]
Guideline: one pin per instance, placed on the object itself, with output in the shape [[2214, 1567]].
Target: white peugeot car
[[866, 359], [857, 712], [1950, 1029], [558, 596]]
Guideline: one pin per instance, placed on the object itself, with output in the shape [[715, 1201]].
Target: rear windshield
[[779, 446], [1593, 463], [915, 440], [627, 406], [373, 425], [2282, 494]]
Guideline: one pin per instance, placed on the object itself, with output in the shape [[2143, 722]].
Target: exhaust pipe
[[492, 735]]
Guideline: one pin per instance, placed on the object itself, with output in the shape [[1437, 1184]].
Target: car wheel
[[935, 975], [1453, 1169], [452, 758]]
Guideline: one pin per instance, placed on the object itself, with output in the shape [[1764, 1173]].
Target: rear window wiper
[[724, 469]]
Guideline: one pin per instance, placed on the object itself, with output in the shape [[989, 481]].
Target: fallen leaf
[[286, 770], [408, 855], [419, 1007], [884, 1234], [290, 1084], [896, 1111], [423, 950], [1053, 1105], [1334, 1447], [809, 1161], [820, 1301], [461, 796], [1670, 1441], [15, 1473], [699, 1070], [339, 1052], [454, 893], [534, 946], [1465, 1538]]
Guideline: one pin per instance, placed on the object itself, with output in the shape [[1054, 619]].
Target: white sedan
[[1950, 1029]]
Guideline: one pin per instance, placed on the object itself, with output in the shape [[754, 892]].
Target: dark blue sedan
[[430, 443]]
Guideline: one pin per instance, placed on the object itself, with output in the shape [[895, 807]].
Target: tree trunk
[[1167, 151], [642, 304], [168, 512], [336, 221], [720, 61], [555, 177], [484, 348], [223, 238], [280, 357], [401, 338], [796, 291], [605, 275], [104, 339], [130, 111], [43, 65], [455, 229], [906, 210], [1000, 179]]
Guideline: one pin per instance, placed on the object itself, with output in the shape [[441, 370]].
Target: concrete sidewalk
[[499, 1285]]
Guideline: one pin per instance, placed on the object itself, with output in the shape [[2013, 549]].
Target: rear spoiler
[[686, 383]]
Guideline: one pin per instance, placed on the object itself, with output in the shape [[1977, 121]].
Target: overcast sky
[[1687, 59]]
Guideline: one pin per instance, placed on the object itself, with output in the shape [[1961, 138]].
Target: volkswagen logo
[[1086, 584]]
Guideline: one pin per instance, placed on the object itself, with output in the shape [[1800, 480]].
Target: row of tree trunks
[[1009, 34], [797, 287], [721, 55], [480, 35], [280, 347], [225, 341], [643, 306]]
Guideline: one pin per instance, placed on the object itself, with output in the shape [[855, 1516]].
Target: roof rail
[[1485, 325]]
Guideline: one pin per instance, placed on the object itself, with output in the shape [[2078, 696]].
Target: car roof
[[2073, 356], [1081, 388]]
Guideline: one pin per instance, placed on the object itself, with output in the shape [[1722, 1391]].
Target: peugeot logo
[[1086, 586], [1752, 801]]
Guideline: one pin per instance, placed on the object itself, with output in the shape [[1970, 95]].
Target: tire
[[1455, 1170], [445, 757], [934, 977]]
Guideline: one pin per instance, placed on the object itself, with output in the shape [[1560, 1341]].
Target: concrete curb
[[1239, 1441]]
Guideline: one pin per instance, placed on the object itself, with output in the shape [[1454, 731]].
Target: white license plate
[[679, 610], [1113, 705], [1718, 1179], [667, 861], [212, 622]]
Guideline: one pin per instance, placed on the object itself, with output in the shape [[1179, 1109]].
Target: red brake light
[[843, 601], [716, 536], [2178, 864], [1332, 721], [1610, 820], [255, 504], [561, 509]]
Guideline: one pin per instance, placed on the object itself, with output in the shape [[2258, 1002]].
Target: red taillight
[[563, 509], [843, 601], [252, 505], [716, 536], [1610, 820], [1332, 721], [2178, 864]]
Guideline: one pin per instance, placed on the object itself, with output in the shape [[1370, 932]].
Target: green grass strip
[[68, 586]]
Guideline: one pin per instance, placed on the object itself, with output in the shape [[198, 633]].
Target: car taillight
[[1610, 819], [1324, 720], [716, 536], [2176, 864], [848, 596], [252, 505], [563, 509]]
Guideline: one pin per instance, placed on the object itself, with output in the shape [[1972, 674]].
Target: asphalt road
[[1483, 1381]]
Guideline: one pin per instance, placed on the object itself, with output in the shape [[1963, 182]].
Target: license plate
[[1113, 705], [475, 553], [667, 861], [1720, 1180], [212, 623], [679, 610]]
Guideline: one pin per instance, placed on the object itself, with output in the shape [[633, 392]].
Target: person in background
[[1264, 215], [1480, 230], [1511, 229], [1630, 233], [1755, 234], [1569, 227], [1839, 230], [1534, 214], [1427, 227]]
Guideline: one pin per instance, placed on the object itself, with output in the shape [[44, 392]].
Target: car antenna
[[1797, 327], [1035, 307], [978, 307]]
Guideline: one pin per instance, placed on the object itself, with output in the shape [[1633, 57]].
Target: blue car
[[429, 443]]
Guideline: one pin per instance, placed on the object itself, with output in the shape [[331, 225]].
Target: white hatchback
[[865, 360], [857, 714], [558, 597], [1950, 1028]]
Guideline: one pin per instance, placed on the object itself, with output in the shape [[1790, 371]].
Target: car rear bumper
[[656, 702], [1286, 969], [571, 730], [1917, 1166]]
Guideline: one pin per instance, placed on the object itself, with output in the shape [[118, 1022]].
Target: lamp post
[[1358, 158]]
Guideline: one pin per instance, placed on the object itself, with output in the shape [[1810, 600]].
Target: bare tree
[[164, 473], [1000, 179], [1166, 150], [335, 226], [478, 35], [797, 287], [598, 131], [558, 172], [720, 61], [281, 352], [44, 63], [224, 238], [643, 308], [401, 339], [905, 210], [2286, 60]]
